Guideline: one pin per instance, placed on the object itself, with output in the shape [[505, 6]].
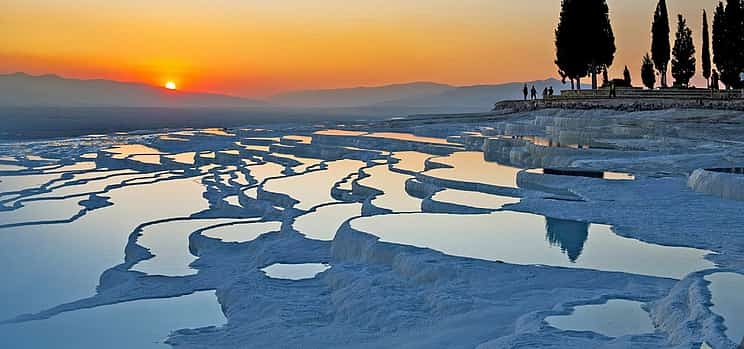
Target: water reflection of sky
[[471, 167], [143, 324], [46, 265], [68, 259], [523, 238], [295, 271], [325, 221], [726, 290], [315, 186], [617, 317]]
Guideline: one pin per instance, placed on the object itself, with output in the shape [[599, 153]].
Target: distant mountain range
[[357, 96], [23, 90], [423, 97]]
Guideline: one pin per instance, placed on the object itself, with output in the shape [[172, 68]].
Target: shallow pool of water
[[313, 188], [295, 271], [47, 265], [409, 137], [523, 238], [410, 160], [473, 199], [393, 186], [325, 221], [141, 324], [472, 167], [727, 291], [242, 232], [615, 318], [169, 242]]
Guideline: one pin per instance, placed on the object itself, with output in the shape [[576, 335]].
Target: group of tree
[[728, 47], [728, 41], [584, 40], [585, 45], [682, 54]]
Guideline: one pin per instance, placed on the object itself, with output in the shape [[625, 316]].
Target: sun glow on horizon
[[170, 85]]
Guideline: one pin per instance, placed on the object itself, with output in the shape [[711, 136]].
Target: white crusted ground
[[379, 294]]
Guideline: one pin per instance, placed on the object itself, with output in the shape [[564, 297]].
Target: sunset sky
[[257, 48]]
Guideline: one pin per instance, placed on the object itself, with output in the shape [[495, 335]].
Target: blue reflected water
[[615, 318], [524, 238], [141, 324]]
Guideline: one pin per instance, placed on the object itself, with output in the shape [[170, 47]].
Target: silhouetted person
[[613, 91], [714, 80], [525, 91], [533, 93], [550, 92], [545, 93]]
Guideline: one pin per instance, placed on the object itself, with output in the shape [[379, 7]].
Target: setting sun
[[170, 85]]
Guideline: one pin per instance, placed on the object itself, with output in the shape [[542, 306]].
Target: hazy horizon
[[255, 49]]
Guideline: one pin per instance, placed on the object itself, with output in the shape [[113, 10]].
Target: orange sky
[[256, 48]]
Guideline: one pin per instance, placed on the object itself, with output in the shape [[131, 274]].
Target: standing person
[[550, 92], [545, 93], [714, 80], [534, 93], [525, 91], [613, 92]]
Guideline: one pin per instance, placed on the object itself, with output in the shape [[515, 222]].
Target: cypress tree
[[647, 72], [568, 43], [683, 63], [734, 41], [660, 50], [720, 44], [627, 77], [600, 49], [706, 50]]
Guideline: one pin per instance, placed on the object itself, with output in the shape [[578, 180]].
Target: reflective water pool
[[524, 238], [242, 232], [295, 271], [726, 291], [473, 199], [140, 324], [615, 318], [325, 221], [471, 167], [393, 186], [57, 263], [316, 185]]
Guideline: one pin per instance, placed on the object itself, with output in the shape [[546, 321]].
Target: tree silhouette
[[647, 72], [660, 50], [571, 64], [734, 40], [728, 42], [683, 63], [706, 50], [720, 45], [597, 36], [627, 77]]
